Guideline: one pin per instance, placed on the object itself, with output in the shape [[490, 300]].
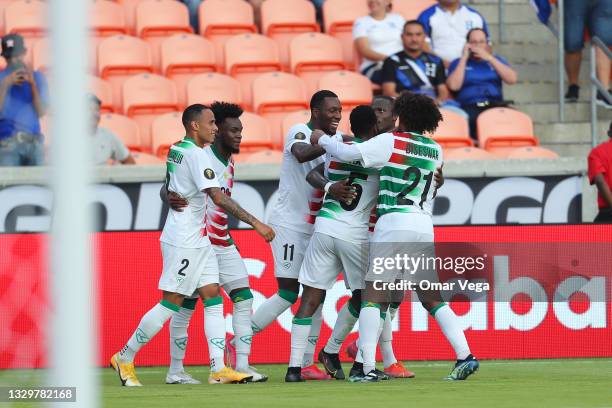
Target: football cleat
[[181, 378], [463, 369], [230, 352], [351, 350], [359, 376], [312, 372], [397, 370], [228, 376], [380, 374], [331, 363], [257, 376], [294, 375], [126, 371]]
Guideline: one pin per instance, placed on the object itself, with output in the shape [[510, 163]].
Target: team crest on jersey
[[286, 265], [209, 174], [300, 136]]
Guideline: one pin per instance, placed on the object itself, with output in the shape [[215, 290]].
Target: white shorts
[[327, 256], [288, 249], [233, 273], [187, 269]]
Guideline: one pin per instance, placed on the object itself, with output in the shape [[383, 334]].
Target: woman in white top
[[377, 36]]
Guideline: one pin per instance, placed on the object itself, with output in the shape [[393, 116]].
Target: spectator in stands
[[478, 75], [23, 101], [417, 71], [447, 23], [106, 145], [600, 174], [596, 15], [377, 36]]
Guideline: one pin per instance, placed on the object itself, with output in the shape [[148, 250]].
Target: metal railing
[[596, 85]]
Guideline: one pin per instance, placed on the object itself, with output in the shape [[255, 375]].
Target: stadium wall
[[129, 265]]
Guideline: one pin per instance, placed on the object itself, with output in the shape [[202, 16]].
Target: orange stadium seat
[[166, 130], [467, 153], [410, 9], [313, 55], [222, 19], [261, 157], [40, 55], [104, 92], [107, 18], [210, 87], [247, 56], [293, 118], [125, 128], [531, 152], [183, 56], [158, 19], [352, 89], [3, 4], [283, 20], [274, 95], [453, 131], [26, 17], [145, 159], [255, 133], [129, 6], [338, 16], [502, 129], [144, 97], [121, 56]]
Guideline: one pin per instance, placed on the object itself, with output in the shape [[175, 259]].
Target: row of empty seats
[[219, 20]]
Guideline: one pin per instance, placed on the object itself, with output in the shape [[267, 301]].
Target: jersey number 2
[[185, 263]]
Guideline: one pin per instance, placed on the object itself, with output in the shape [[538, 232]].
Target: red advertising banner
[[129, 265]]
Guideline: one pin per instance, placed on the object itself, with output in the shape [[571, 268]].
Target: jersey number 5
[[414, 174], [350, 206]]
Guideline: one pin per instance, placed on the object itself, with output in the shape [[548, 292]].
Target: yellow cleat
[[228, 376], [126, 372]]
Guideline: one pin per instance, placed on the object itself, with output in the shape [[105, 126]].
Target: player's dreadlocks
[[417, 113], [224, 110]]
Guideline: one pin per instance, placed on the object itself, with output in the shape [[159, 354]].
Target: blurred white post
[[73, 340]]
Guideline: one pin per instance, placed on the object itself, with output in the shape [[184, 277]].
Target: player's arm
[[603, 189], [174, 200], [230, 206], [336, 148], [339, 190], [305, 152], [438, 178]]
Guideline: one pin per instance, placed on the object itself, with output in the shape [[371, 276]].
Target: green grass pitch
[[499, 383]]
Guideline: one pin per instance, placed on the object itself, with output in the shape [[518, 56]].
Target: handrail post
[[593, 74], [500, 22], [560, 38]]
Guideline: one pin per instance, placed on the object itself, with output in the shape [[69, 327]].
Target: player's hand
[[342, 191], [176, 201], [14, 78], [315, 136], [439, 176], [265, 231], [482, 53], [465, 53]]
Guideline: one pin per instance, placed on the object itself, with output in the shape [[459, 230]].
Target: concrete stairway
[[532, 50]]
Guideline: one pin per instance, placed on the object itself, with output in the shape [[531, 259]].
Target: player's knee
[[291, 285], [209, 291]]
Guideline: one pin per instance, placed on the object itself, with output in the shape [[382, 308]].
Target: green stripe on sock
[[189, 303], [169, 305], [288, 295], [435, 309], [383, 315], [244, 294], [395, 305], [304, 321], [370, 304], [213, 301], [352, 311]]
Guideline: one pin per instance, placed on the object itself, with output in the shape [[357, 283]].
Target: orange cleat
[[351, 350], [397, 370], [313, 372]]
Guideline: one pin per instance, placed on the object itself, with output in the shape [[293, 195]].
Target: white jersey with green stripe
[[348, 222], [217, 222], [407, 163], [188, 172], [297, 203]]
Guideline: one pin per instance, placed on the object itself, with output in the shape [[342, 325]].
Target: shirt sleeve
[[202, 171], [502, 60], [440, 77], [377, 151], [453, 66], [360, 28], [596, 165], [296, 135], [335, 147], [120, 151], [388, 71], [43, 89], [424, 19]]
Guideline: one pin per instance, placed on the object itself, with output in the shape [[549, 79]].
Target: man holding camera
[[23, 100]]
